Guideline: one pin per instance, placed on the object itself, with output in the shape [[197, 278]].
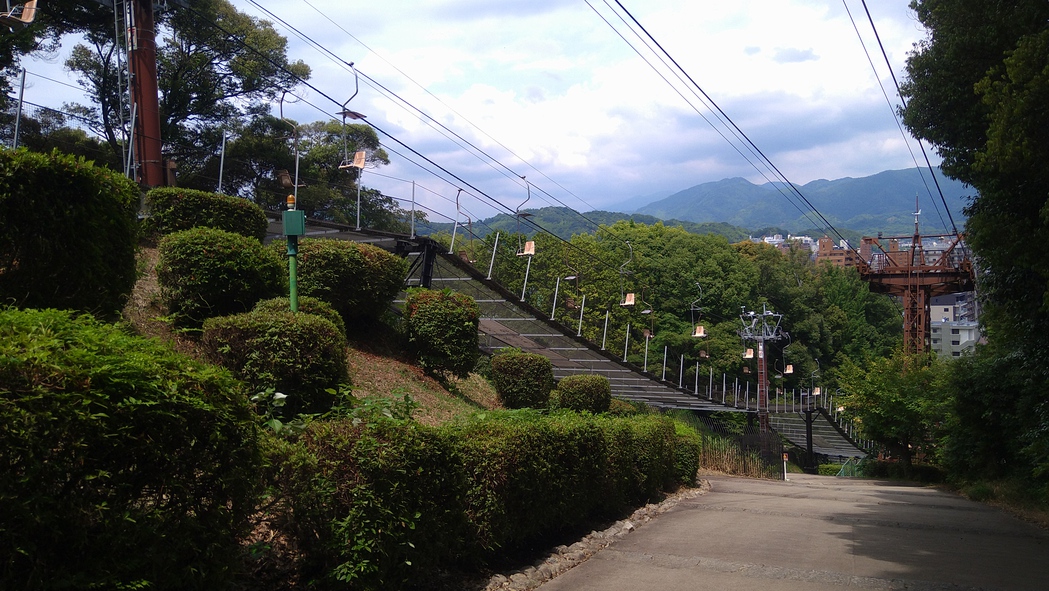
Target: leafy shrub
[[173, 209], [126, 465], [625, 408], [828, 469], [307, 305], [688, 448], [359, 280], [376, 503], [587, 392], [301, 355], [68, 233], [380, 503], [530, 475], [442, 330], [204, 272], [522, 380], [640, 458]]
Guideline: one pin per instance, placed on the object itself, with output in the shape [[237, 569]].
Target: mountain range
[[881, 202], [736, 208]]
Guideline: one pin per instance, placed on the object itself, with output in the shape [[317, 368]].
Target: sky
[[548, 90]]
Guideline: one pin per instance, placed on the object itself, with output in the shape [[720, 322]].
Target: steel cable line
[[718, 109], [433, 123], [689, 102], [904, 101], [888, 101], [456, 113], [461, 182]]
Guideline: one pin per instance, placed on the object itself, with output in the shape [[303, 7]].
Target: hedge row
[[124, 464], [68, 232], [381, 503], [173, 209]]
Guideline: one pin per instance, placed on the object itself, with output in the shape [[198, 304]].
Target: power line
[[728, 121], [900, 94]]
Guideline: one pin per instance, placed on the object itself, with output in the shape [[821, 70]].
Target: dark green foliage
[[591, 393], [376, 503], [359, 280], [173, 209], [442, 330], [306, 305], [640, 458], [829, 469], [125, 465], [381, 503], [623, 408], [530, 475], [67, 233], [688, 447], [204, 272], [522, 380], [298, 354]]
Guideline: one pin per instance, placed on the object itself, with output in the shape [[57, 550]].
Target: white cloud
[[550, 82]]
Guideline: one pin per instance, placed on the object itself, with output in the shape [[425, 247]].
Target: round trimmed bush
[[522, 380], [624, 408], [204, 272], [68, 233], [307, 305], [359, 280], [173, 209], [126, 465], [442, 330], [590, 393], [298, 354]]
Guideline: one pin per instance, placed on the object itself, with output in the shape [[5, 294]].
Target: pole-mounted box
[[294, 223]]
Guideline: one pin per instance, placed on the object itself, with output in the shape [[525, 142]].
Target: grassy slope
[[372, 373]]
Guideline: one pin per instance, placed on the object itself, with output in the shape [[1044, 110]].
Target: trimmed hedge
[[126, 465], [68, 233], [522, 380], [688, 449], [382, 503], [377, 504], [307, 305], [442, 330], [298, 354], [359, 280], [204, 273], [587, 392], [173, 209]]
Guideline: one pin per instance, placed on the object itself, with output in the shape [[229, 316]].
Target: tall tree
[[215, 67], [977, 87]]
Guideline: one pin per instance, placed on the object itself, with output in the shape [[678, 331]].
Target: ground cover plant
[[126, 465]]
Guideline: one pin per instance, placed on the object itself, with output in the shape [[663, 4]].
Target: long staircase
[[506, 321]]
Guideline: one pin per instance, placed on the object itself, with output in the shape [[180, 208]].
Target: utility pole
[[761, 328], [142, 63]]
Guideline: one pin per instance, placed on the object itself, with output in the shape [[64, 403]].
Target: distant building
[[839, 256], [954, 337]]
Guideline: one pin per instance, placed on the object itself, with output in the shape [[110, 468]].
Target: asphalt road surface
[[820, 533]]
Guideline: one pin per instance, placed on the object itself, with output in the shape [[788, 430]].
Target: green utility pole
[[294, 226]]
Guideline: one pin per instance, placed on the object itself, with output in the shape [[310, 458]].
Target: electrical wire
[[902, 99], [728, 121], [477, 152]]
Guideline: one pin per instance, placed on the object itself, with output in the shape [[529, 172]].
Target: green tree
[[977, 87], [898, 401], [214, 66]]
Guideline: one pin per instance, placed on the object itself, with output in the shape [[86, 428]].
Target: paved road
[[819, 533]]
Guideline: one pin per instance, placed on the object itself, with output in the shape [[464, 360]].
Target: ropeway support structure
[[916, 276], [762, 328]]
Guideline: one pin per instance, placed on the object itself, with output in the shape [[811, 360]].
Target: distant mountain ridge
[[881, 202]]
